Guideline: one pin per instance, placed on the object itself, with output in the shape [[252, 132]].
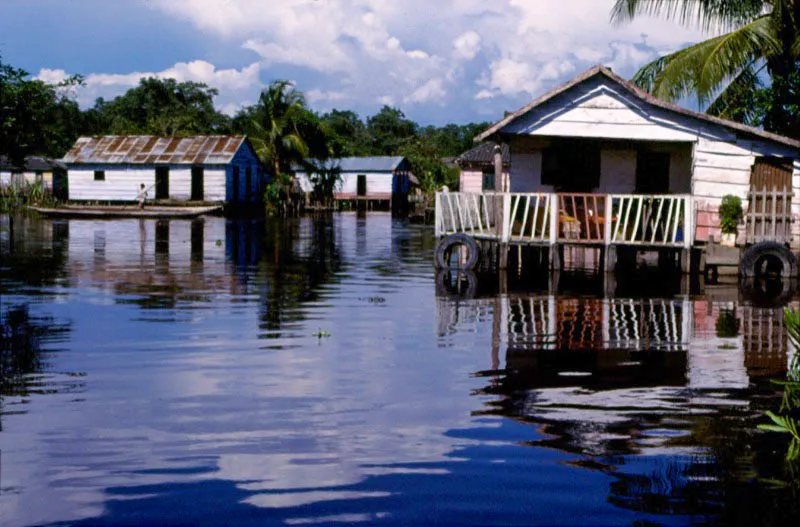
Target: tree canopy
[[162, 107], [37, 118], [747, 72]]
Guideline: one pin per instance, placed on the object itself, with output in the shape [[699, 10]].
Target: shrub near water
[[13, 197]]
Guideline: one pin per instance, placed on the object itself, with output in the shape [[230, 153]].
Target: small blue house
[[199, 168]]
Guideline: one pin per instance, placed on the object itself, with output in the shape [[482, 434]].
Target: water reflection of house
[[648, 391], [159, 260], [530, 324]]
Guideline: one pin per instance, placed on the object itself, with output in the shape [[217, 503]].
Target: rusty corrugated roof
[[151, 150]]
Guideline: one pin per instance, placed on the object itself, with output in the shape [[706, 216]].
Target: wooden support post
[[499, 182], [502, 260], [686, 261], [610, 258], [555, 258]]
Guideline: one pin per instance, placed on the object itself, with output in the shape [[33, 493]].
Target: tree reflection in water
[[23, 356]]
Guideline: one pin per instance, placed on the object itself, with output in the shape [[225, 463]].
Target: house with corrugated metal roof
[[200, 168], [376, 181]]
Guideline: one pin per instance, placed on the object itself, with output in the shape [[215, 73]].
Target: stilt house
[[378, 180], [600, 162]]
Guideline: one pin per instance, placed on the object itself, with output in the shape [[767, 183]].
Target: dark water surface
[[219, 372]]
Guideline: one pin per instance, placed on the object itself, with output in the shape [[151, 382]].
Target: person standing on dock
[[142, 195]]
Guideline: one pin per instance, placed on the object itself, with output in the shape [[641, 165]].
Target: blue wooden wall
[[245, 158]]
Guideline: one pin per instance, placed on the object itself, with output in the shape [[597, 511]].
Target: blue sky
[[438, 61]]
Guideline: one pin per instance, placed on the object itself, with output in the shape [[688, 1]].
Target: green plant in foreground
[[787, 419], [730, 213]]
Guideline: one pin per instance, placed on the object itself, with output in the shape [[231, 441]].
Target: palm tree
[[754, 37], [276, 127]]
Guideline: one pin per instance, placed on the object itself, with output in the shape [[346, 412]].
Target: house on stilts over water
[[372, 182], [217, 169], [599, 163]]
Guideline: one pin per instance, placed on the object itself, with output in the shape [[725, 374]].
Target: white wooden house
[[602, 163], [381, 179], [600, 134], [199, 168], [35, 170]]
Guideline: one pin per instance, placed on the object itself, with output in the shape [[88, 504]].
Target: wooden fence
[[769, 215]]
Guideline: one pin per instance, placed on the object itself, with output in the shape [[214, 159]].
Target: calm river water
[[317, 371]]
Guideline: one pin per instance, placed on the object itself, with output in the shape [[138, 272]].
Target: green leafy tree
[[755, 38], [390, 131], [161, 107], [347, 132], [36, 118]]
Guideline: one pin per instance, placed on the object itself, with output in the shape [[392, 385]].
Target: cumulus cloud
[[466, 45], [235, 86], [369, 52]]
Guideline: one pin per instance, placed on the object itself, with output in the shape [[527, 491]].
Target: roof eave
[[495, 131]]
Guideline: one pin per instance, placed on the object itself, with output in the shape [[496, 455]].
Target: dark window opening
[[488, 180], [572, 167], [99, 175], [361, 185], [652, 172], [162, 182], [197, 184]]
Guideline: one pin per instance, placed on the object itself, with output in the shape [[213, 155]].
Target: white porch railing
[[474, 214], [662, 220], [610, 219]]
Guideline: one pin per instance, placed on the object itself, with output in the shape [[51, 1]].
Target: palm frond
[[737, 101], [709, 15], [704, 67]]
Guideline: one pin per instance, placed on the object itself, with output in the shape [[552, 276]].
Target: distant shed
[[198, 168], [35, 169], [477, 168], [383, 179]]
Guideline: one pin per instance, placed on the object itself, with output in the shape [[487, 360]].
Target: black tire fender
[[445, 248], [747, 263]]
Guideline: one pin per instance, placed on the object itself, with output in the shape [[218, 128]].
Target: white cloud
[[318, 95], [372, 51], [431, 91], [236, 87], [466, 45], [52, 76]]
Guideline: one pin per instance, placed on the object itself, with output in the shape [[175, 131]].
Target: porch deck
[[549, 219]]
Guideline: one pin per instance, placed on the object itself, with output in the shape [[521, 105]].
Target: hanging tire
[[765, 258], [445, 247]]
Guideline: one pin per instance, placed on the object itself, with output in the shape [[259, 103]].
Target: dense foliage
[[37, 118], [749, 71]]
